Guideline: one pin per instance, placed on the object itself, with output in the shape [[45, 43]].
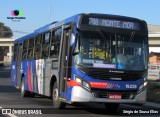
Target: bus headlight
[[141, 87], [78, 80], [145, 83], [83, 83], [86, 85]]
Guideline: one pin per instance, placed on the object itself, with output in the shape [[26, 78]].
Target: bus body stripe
[[29, 79], [72, 83]]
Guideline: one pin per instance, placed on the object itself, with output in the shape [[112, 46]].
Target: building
[[154, 43], [154, 57], [6, 47], [154, 38]]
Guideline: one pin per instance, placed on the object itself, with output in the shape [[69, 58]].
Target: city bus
[[91, 57]]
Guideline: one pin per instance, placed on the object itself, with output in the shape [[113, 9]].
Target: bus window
[[25, 44], [56, 35], [53, 37], [38, 40], [25, 49], [14, 57], [46, 45], [15, 48], [37, 53], [15, 51], [24, 54], [31, 43], [30, 54], [45, 51], [46, 38], [55, 43], [54, 50], [30, 49]]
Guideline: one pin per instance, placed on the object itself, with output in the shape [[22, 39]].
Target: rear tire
[[24, 93], [111, 107], [32, 94], [56, 103]]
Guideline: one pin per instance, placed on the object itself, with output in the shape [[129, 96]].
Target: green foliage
[[5, 32]]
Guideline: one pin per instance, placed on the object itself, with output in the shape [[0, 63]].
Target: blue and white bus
[[84, 58]]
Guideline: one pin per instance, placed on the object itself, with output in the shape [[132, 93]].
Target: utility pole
[[50, 11]]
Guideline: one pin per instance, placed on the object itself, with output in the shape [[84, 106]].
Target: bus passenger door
[[18, 63], [65, 64]]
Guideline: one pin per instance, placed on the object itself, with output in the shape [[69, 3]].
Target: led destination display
[[114, 23]]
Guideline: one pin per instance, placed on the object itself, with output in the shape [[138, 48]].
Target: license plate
[[115, 96]]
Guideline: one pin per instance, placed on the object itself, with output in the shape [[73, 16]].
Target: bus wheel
[[111, 107], [32, 94], [24, 93], [56, 102]]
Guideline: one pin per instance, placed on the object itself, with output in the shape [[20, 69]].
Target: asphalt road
[[10, 99]]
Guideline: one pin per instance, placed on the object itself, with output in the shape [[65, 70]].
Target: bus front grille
[[115, 76], [105, 94]]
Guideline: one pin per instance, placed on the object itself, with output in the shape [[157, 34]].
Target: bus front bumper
[[79, 94]]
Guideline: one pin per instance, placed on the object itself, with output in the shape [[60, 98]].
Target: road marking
[[11, 115]]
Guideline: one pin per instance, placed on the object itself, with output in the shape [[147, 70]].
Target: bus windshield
[[100, 49]]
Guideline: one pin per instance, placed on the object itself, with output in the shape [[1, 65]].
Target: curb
[[152, 104]]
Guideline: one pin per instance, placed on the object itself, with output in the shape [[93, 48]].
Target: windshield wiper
[[130, 40], [103, 37]]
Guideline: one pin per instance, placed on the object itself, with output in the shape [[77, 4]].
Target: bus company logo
[[16, 15], [16, 12], [6, 111]]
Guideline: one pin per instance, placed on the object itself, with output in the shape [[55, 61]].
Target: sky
[[41, 12]]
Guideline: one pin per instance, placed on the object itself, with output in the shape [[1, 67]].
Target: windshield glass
[[100, 49]]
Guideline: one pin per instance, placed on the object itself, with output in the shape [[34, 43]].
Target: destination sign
[[113, 23]]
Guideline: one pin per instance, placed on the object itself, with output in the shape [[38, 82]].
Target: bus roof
[[47, 27]]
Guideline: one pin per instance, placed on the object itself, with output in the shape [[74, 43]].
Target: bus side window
[[38, 40], [38, 43], [31, 48], [25, 44], [46, 38], [37, 53], [53, 37], [25, 50], [55, 43], [31, 43], [24, 54], [46, 44], [54, 51], [30, 54], [15, 51]]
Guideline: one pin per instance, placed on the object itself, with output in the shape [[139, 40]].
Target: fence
[[154, 71]]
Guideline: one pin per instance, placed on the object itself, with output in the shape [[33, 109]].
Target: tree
[[5, 31]]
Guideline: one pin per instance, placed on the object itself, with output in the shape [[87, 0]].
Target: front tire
[[56, 102], [111, 107]]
